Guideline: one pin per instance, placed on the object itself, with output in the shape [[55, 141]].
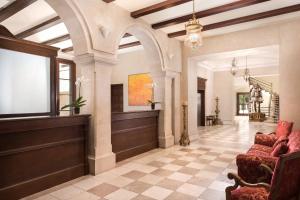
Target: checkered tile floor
[[190, 173]]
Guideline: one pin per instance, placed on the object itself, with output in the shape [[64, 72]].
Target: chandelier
[[234, 67], [247, 72], [193, 32]]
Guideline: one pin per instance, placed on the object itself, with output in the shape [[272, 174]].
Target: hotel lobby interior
[[149, 99]]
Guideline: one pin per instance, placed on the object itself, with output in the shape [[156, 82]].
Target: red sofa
[[283, 129], [285, 184], [249, 164]]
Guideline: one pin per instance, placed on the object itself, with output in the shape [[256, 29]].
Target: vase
[[77, 111], [153, 106]]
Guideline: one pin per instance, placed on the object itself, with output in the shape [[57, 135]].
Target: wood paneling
[[134, 133], [40, 27], [245, 19], [206, 13], [117, 98], [39, 153], [13, 8], [157, 7]]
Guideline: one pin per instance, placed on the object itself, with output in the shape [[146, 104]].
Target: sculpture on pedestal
[[255, 101], [184, 140], [217, 111]]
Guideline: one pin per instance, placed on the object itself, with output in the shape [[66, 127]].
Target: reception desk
[[39, 153], [134, 133]]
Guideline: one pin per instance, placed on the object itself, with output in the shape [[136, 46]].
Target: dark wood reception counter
[[134, 133], [39, 153]]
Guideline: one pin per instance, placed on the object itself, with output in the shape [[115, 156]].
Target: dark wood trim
[[157, 7], [134, 133], [66, 50], [206, 13], [57, 39], [40, 27], [132, 44], [13, 8], [245, 19], [127, 35], [35, 49], [38, 141], [5, 32], [72, 80], [108, 1]]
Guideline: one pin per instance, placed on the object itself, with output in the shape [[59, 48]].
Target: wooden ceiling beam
[[209, 12], [66, 50], [108, 1], [57, 39], [132, 44], [13, 8], [157, 7], [40, 27], [249, 18]]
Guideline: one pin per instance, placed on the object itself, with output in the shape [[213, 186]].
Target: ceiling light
[[193, 32], [234, 67]]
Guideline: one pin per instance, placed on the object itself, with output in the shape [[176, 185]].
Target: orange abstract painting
[[139, 89]]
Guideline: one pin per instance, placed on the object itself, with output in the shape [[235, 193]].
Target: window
[[242, 102], [66, 84]]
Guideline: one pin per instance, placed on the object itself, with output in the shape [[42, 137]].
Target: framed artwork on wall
[[140, 89]]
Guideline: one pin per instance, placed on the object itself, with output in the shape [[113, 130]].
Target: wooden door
[[117, 98]]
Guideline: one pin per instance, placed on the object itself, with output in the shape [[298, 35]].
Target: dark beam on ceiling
[[108, 1], [57, 40], [66, 50], [127, 35], [40, 27], [157, 7], [132, 44], [249, 18], [209, 12], [13, 8]]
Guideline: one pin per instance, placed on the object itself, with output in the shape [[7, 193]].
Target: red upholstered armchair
[[283, 129], [285, 184], [249, 164]]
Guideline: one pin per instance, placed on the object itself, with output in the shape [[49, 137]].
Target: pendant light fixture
[[234, 67], [247, 71], [193, 31]]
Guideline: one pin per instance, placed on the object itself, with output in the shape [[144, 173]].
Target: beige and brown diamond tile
[[162, 172], [103, 189], [172, 167], [151, 179], [189, 171], [180, 177], [157, 193], [134, 175], [138, 187], [121, 194], [169, 184], [191, 189]]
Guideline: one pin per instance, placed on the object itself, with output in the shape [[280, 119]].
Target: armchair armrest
[[268, 172], [240, 182]]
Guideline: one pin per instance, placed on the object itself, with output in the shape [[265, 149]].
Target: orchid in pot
[[152, 102], [79, 102]]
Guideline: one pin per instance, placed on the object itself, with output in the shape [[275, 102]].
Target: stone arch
[[74, 21], [150, 44]]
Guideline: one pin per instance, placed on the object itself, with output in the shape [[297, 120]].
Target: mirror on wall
[[24, 83]]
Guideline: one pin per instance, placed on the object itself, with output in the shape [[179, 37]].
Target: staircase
[[272, 112]]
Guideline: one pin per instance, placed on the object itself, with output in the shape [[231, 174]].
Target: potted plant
[[79, 102], [152, 103]]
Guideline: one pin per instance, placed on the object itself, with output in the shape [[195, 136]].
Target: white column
[[97, 91], [289, 71], [163, 94]]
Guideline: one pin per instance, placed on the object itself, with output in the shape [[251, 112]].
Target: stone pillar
[[97, 91], [289, 71], [163, 94]]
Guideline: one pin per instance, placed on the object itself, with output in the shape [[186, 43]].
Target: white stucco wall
[[130, 63]]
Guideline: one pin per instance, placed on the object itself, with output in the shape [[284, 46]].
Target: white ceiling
[[261, 57], [186, 8], [40, 11]]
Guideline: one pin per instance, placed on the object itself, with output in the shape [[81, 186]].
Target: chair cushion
[[262, 148], [248, 193], [284, 128], [279, 140], [294, 142], [280, 149], [264, 139]]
